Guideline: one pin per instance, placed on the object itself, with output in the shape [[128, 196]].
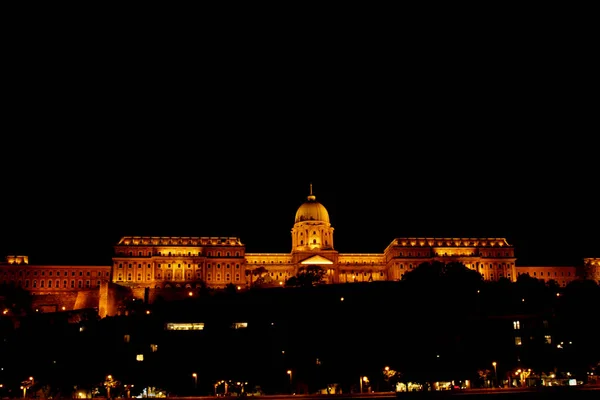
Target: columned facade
[[186, 262]]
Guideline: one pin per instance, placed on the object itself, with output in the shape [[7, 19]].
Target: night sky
[[74, 211], [487, 138]]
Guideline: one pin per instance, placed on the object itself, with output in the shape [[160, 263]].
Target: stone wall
[[106, 300], [70, 300], [112, 297]]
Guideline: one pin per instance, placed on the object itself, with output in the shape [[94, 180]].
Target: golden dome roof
[[312, 210]]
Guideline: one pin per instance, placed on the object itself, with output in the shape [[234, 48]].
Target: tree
[[534, 291], [15, 299], [554, 286], [260, 271], [262, 275], [456, 273], [230, 288], [454, 276], [306, 277], [391, 378], [425, 273]]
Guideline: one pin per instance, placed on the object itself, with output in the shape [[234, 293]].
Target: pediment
[[316, 259]]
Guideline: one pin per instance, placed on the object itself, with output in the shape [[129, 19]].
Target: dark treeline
[[441, 322]]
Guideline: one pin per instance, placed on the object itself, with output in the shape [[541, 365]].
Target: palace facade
[[145, 264], [160, 262]]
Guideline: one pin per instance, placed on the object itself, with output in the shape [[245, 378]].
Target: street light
[[195, 375], [26, 384], [365, 379], [109, 383], [495, 372], [128, 389]]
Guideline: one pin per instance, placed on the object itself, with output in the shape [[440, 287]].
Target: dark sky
[[75, 210], [447, 135]]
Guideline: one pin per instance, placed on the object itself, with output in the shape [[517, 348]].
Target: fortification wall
[[151, 295], [55, 301], [111, 298]]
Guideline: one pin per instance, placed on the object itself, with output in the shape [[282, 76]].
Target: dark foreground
[[545, 393]]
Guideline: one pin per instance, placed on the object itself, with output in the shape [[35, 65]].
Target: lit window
[[193, 326], [518, 341]]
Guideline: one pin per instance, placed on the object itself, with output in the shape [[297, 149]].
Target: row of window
[[179, 254], [65, 273], [439, 254], [519, 340], [562, 273], [55, 284], [159, 266], [517, 324], [169, 277]]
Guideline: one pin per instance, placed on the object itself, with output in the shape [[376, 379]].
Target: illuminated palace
[[159, 262], [147, 266]]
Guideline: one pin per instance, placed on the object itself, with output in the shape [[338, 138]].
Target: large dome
[[312, 210]]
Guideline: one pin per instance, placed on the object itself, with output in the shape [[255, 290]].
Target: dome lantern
[[312, 210]]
